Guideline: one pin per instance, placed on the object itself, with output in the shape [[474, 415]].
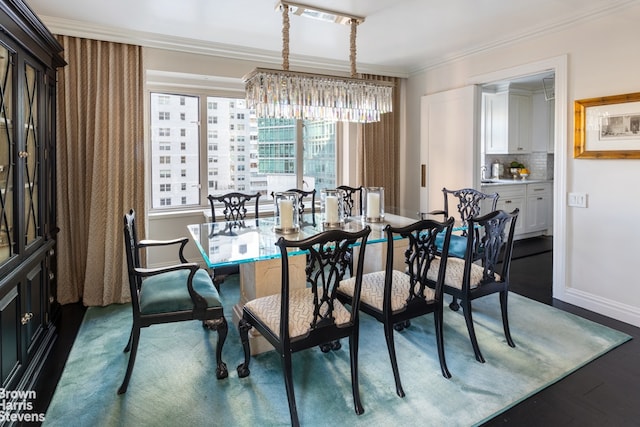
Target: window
[[238, 151]]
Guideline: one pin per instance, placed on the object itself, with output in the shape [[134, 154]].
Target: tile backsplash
[[540, 164]]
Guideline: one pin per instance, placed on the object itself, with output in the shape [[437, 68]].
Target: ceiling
[[398, 37]]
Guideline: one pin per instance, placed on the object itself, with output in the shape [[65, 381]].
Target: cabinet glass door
[[30, 155], [7, 238]]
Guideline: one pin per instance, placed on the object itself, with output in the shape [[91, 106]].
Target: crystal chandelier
[[297, 95]]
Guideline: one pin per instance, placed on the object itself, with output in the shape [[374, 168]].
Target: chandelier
[[297, 95]]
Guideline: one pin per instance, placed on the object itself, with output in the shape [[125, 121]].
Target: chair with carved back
[[176, 293], [299, 318], [351, 200], [394, 297], [483, 271], [234, 208], [469, 203]]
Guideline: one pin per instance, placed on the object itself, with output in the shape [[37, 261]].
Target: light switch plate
[[578, 200]]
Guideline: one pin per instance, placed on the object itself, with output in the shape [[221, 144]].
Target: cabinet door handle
[[423, 175], [25, 319], [507, 201]]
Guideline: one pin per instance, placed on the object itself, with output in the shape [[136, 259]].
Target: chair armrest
[[181, 240], [146, 272], [145, 243]]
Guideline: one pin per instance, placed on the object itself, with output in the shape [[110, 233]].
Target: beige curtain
[[100, 167], [378, 150]]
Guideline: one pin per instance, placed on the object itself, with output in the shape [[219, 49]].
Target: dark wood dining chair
[[394, 297], [301, 318], [233, 207], [351, 199], [177, 293], [483, 272]]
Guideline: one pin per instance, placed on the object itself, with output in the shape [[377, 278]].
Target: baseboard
[[614, 309]]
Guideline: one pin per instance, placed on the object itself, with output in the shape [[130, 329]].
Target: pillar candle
[[373, 205], [331, 209], [286, 214]]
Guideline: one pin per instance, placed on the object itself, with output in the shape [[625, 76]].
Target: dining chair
[[297, 319], [176, 293], [394, 297], [469, 203], [483, 272], [234, 205], [234, 209], [351, 199]]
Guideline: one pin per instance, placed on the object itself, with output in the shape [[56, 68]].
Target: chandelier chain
[[285, 37], [352, 47]]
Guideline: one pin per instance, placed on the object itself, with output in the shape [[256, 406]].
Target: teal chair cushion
[[168, 292], [457, 245]]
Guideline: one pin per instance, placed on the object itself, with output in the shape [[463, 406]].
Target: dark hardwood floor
[[606, 392]]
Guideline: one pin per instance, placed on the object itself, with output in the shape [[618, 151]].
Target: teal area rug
[[173, 382]]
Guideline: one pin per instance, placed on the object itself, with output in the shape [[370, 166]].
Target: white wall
[[601, 240]]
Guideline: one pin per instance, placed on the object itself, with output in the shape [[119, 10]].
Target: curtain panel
[[378, 150], [100, 173]]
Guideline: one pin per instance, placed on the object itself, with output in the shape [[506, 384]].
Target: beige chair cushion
[[372, 292], [455, 272], [267, 309]]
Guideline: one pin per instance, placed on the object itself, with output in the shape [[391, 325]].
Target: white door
[[450, 143]]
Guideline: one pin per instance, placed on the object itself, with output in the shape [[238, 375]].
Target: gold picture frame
[[607, 127]]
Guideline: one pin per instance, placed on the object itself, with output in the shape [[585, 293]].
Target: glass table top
[[229, 243]]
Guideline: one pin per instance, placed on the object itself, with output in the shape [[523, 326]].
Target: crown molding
[[162, 41]]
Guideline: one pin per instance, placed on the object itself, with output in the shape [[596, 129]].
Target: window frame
[[180, 87]]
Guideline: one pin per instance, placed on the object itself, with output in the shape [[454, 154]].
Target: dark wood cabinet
[[29, 59]]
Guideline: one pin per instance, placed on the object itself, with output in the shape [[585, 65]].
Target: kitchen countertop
[[496, 182]]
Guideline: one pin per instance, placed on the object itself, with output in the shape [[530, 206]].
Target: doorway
[[558, 68]]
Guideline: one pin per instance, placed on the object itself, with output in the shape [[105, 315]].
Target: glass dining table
[[250, 244]]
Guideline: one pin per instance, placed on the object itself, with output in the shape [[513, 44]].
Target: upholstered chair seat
[[301, 308], [167, 293], [373, 289]]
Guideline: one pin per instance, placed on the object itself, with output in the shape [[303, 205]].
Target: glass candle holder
[[286, 209], [373, 204], [331, 208]]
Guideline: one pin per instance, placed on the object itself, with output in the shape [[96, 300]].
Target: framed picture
[[607, 127]]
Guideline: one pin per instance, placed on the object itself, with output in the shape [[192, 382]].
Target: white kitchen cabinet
[[512, 197], [534, 200], [506, 122], [539, 205]]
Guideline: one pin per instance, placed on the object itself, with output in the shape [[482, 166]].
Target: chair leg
[[355, 387], [221, 367], [454, 304], [466, 307], [505, 318], [243, 329], [134, 339], [388, 334], [128, 346], [288, 383], [438, 321]]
